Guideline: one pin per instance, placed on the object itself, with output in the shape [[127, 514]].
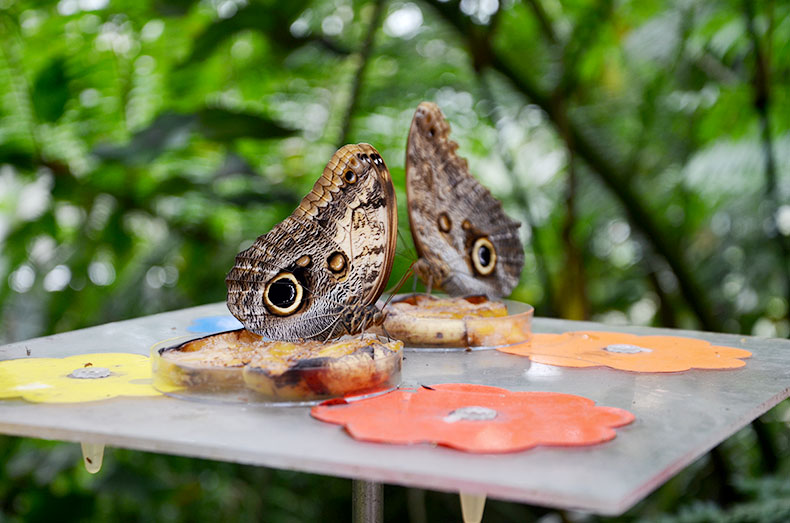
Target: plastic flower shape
[[475, 418], [85, 377], [628, 352]]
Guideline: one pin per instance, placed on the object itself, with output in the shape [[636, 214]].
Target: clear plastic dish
[[241, 367], [420, 330]]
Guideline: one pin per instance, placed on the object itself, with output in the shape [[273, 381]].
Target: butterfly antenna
[[412, 253], [406, 256], [400, 283]]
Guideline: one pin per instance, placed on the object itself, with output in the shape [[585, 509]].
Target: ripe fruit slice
[[421, 320], [351, 365], [211, 363], [235, 363]]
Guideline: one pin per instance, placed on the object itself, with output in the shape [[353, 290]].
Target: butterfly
[[465, 242], [318, 273]]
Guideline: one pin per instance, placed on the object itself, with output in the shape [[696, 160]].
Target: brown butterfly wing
[[466, 242], [330, 259]]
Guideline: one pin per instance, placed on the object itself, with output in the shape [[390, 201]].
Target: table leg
[[472, 506], [92, 456], [367, 501]]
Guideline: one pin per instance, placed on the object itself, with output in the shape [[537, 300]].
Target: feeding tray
[[470, 322], [239, 366]]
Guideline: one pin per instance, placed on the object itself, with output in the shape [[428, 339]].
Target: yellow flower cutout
[[85, 377]]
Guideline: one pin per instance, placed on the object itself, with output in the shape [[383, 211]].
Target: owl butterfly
[[465, 241], [318, 273]]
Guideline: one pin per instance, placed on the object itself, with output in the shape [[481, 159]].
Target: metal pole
[[367, 501]]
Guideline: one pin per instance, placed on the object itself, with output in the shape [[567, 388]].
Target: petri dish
[[242, 367], [423, 322]]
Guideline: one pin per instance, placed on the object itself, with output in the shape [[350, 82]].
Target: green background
[[644, 146]]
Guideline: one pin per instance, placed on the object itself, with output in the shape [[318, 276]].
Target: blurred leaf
[[50, 91], [273, 21], [171, 131], [16, 155], [225, 126], [173, 7], [235, 164]]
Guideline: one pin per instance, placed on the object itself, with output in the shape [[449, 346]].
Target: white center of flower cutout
[[90, 373], [625, 348], [471, 413]]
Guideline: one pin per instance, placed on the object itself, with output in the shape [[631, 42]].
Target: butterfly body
[[465, 241], [318, 273]]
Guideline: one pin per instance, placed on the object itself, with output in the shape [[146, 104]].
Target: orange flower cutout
[[475, 418], [628, 352]]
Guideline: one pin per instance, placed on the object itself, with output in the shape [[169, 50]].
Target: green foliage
[[42, 480], [50, 91], [143, 144]]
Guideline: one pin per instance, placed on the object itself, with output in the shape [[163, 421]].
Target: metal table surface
[[679, 417]]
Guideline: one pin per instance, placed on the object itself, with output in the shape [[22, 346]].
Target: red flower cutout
[[476, 418]]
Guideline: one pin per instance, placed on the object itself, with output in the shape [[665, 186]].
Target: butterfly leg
[[329, 335], [333, 328], [387, 334], [432, 273]]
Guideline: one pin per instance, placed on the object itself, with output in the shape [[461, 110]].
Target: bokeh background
[[644, 145]]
